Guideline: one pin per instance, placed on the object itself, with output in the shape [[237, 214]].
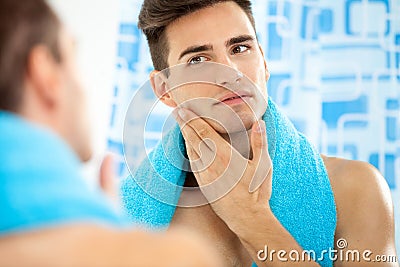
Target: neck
[[241, 142], [34, 109]]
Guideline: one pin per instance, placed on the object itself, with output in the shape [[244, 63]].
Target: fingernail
[[260, 127]]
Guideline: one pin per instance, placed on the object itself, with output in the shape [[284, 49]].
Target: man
[[48, 215], [195, 32]]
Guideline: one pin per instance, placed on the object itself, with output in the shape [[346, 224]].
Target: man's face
[[72, 113], [220, 34]]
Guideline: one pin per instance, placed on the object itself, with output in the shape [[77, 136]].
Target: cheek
[[194, 94], [78, 102], [259, 78], [255, 69]]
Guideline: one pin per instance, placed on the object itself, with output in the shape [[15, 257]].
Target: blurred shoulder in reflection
[[49, 217]]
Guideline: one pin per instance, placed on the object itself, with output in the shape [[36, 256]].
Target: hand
[[247, 203], [107, 181]]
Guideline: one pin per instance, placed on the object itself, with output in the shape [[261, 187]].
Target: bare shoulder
[[356, 179], [363, 202]]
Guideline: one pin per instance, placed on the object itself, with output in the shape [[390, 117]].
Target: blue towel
[[302, 197], [40, 183]]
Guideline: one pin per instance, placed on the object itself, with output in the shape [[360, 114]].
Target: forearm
[[270, 244], [83, 245], [91, 245]]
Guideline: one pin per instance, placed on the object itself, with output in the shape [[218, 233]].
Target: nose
[[227, 73]]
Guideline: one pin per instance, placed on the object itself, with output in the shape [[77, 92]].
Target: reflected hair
[[156, 15], [23, 25]]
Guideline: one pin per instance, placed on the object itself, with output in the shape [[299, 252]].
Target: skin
[[54, 98], [364, 206]]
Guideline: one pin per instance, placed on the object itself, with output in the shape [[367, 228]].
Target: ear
[[42, 75], [160, 88], [267, 74]]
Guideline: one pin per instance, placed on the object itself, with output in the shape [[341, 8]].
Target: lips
[[233, 96]]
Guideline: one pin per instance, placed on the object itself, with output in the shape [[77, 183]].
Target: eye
[[197, 60], [240, 49]]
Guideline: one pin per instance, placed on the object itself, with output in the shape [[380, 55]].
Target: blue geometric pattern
[[335, 71]]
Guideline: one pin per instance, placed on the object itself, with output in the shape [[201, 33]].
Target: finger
[[265, 189], [259, 143], [204, 147], [107, 176], [193, 156], [208, 158], [261, 177], [199, 152], [193, 142], [261, 162], [201, 127], [190, 136], [211, 141], [178, 119]]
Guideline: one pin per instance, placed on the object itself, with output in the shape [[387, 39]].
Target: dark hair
[[156, 15], [23, 25]]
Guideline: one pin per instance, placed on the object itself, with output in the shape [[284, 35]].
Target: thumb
[[259, 143], [107, 177], [261, 161]]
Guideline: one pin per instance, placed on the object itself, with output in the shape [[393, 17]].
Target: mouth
[[234, 98]]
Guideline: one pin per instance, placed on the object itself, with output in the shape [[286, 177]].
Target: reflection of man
[[241, 223], [48, 217]]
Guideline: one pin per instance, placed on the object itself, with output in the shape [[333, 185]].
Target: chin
[[85, 155], [232, 125]]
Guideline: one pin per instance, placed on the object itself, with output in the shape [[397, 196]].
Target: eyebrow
[[209, 47], [195, 49], [239, 39]]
